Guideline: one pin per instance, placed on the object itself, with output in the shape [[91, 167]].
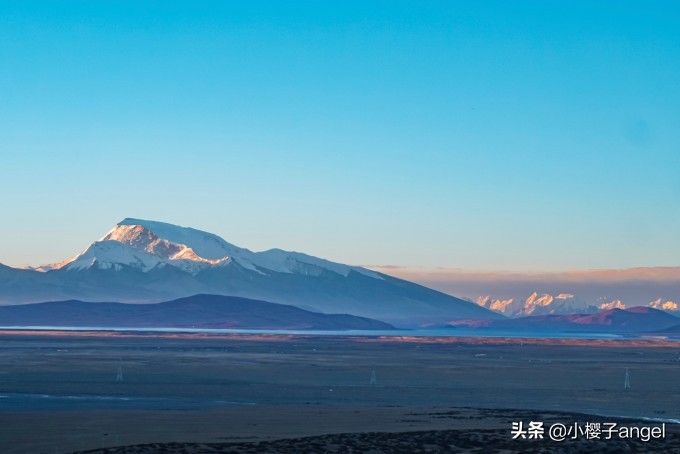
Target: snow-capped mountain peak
[[562, 303], [142, 261], [204, 244], [141, 238], [134, 245], [537, 304], [145, 244], [665, 305], [109, 254]]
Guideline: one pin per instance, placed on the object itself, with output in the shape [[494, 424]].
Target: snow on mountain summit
[[537, 304], [204, 244], [146, 244], [109, 255], [563, 303], [139, 237]]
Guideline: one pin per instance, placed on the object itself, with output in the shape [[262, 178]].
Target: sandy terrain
[[60, 392]]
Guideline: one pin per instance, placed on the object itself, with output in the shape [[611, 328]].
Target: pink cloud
[[661, 274]]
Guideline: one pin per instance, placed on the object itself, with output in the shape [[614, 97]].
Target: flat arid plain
[[63, 392]]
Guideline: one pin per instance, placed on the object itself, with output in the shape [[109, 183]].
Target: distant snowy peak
[[537, 304], [609, 305], [503, 306], [562, 304], [145, 245], [665, 305]]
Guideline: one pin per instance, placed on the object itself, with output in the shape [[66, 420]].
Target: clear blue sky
[[483, 134]]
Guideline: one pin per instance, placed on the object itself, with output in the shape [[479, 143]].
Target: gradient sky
[[524, 135]]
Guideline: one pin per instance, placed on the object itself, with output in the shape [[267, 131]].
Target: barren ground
[[59, 391]]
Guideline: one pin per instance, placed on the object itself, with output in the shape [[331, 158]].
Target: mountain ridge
[[562, 303], [639, 319], [149, 261], [198, 311]]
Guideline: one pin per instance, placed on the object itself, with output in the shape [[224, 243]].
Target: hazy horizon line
[[654, 273]]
